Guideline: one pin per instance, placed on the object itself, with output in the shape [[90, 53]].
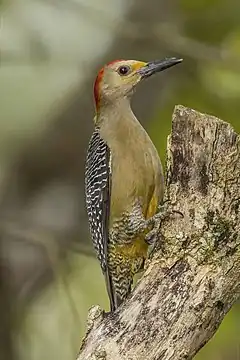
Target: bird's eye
[[124, 70]]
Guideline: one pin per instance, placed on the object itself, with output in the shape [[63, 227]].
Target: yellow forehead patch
[[138, 65]]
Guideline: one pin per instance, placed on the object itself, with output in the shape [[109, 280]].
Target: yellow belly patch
[[152, 208], [136, 249]]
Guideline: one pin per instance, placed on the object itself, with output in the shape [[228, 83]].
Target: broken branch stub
[[193, 276]]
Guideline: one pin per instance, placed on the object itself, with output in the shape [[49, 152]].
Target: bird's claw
[[164, 212], [151, 237]]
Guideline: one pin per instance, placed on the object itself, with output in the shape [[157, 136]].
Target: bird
[[124, 180]]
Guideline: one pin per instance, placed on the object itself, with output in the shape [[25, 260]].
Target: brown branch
[[193, 277]]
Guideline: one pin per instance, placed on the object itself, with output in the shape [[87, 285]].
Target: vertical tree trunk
[[193, 277]]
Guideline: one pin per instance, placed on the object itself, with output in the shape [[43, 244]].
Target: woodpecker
[[123, 178]]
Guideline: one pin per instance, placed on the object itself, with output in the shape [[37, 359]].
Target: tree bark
[[193, 276]]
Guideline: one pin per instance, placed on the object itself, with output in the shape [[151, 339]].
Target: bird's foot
[[164, 212], [152, 235]]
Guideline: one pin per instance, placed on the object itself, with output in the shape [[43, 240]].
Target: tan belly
[[136, 171], [134, 183]]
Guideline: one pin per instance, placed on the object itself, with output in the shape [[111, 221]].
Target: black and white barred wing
[[98, 187]]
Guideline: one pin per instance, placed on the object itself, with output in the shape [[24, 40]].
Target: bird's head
[[118, 78]]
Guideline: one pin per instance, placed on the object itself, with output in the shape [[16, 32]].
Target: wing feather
[[98, 198]]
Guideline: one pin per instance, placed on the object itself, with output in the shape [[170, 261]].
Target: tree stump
[[193, 276]]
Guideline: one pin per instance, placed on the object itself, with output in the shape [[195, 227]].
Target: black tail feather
[[115, 297]]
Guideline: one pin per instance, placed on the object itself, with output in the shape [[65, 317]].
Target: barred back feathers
[[97, 177]]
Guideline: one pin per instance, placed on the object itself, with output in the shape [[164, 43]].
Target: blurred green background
[[50, 53]]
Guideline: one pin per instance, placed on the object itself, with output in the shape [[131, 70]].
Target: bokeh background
[[50, 53]]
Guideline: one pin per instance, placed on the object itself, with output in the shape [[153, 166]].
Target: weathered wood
[[193, 276]]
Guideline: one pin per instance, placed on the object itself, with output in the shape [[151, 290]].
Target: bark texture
[[193, 276]]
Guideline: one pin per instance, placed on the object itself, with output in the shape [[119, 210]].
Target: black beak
[[158, 65]]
